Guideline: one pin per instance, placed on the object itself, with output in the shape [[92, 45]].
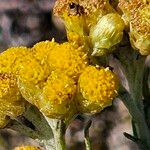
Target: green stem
[[86, 135], [58, 128], [138, 118], [88, 144], [136, 83]]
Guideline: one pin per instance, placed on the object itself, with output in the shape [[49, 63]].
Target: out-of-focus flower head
[[106, 34], [9, 57], [127, 7], [97, 87], [136, 14], [11, 103], [26, 148], [140, 29], [68, 59]]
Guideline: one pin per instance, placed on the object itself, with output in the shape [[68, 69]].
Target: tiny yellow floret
[[97, 87]]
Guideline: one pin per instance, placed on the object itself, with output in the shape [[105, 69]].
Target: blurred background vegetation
[[25, 22]]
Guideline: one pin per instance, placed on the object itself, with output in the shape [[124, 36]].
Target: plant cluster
[[51, 83]]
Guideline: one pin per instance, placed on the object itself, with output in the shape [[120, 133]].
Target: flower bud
[[97, 87], [106, 34]]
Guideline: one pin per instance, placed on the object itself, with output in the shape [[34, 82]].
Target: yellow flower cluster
[[27, 148], [11, 104], [58, 68], [57, 78], [97, 88], [53, 68]]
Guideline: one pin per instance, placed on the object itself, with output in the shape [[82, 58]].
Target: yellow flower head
[[9, 57], [29, 69], [11, 103], [58, 95], [97, 87], [68, 59], [27, 148], [42, 49]]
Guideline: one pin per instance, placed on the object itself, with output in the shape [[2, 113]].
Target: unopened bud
[[106, 34]]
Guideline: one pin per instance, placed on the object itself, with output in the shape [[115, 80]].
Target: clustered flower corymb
[[51, 81], [61, 79], [75, 77]]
